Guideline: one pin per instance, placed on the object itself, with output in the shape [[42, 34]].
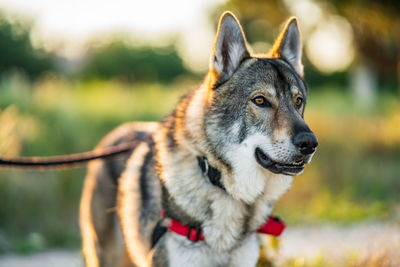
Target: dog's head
[[256, 106]]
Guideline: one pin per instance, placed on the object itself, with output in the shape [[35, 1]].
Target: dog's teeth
[[297, 163]]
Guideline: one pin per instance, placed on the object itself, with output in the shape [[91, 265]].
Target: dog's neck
[[184, 131], [191, 198]]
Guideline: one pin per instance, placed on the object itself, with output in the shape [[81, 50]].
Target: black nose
[[306, 142]]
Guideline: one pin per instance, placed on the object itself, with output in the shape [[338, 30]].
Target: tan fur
[[128, 193]]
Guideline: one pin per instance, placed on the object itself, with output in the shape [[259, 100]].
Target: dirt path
[[53, 258], [329, 241], [336, 243]]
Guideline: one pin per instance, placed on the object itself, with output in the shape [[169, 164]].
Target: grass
[[384, 257], [377, 253], [354, 175], [57, 117]]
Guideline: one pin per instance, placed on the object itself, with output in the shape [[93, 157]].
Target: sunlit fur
[[89, 237], [286, 51], [122, 198], [129, 190]]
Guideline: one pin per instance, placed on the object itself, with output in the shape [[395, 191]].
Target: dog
[[215, 166]]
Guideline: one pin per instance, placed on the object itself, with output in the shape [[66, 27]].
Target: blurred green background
[[56, 102]]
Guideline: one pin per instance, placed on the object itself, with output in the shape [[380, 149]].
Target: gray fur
[[122, 199], [288, 46], [229, 47]]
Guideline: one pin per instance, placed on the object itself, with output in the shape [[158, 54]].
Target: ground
[[332, 243]]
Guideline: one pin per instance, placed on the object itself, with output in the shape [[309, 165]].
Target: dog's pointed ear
[[288, 46], [229, 48]]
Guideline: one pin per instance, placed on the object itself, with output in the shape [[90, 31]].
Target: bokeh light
[[65, 27], [71, 71], [330, 47]]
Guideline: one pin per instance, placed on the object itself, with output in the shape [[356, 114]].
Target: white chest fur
[[224, 215], [182, 252]]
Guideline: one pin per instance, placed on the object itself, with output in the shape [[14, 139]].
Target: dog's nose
[[306, 142]]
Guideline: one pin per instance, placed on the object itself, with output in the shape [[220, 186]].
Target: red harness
[[273, 226]]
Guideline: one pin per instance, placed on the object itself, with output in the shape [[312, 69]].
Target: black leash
[[64, 161]]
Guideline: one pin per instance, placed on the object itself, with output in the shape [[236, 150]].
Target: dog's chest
[[182, 252]]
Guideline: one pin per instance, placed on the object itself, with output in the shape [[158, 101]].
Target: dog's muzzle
[[292, 169]]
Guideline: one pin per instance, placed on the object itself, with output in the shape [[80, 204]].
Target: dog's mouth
[[294, 168]]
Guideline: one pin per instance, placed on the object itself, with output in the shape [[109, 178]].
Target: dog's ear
[[288, 46], [229, 48]]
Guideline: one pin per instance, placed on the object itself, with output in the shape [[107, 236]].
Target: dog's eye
[[299, 101], [260, 101]]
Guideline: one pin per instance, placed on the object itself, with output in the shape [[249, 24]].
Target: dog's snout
[[306, 142]]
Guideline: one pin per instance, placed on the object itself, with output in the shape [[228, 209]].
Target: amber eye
[[259, 100], [299, 101]]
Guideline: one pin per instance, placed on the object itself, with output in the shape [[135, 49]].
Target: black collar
[[214, 175]]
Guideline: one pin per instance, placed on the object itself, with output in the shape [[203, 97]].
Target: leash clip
[[206, 167], [203, 163]]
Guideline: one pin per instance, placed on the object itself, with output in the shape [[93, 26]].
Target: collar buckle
[[193, 234], [203, 163]]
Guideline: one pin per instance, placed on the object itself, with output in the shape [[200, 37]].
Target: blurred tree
[[260, 19], [376, 27], [118, 59], [17, 51]]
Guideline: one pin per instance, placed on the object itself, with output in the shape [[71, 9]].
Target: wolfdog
[[213, 168]]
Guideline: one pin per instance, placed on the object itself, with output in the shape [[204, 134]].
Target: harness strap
[[158, 232], [191, 233], [273, 226]]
